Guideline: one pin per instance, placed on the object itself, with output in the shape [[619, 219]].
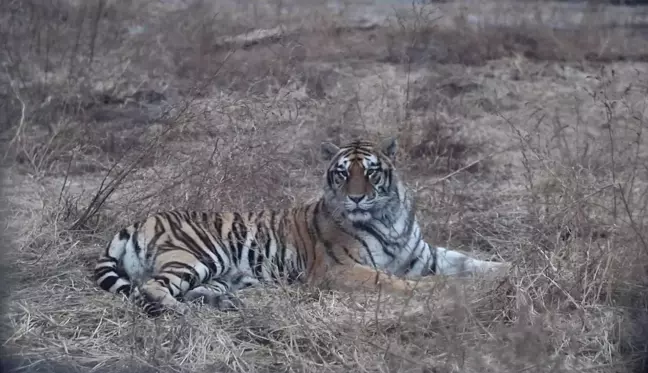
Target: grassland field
[[520, 126]]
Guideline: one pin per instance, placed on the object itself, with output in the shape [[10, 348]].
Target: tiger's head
[[361, 182]]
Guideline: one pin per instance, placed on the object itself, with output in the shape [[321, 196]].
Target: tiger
[[360, 233]]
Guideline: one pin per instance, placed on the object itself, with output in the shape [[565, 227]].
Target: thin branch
[[23, 110], [466, 167]]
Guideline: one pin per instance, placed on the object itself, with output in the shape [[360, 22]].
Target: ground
[[520, 127]]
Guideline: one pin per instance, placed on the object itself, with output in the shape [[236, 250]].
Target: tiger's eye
[[374, 176], [341, 173], [373, 173]]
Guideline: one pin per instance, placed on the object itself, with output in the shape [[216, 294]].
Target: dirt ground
[[521, 134]]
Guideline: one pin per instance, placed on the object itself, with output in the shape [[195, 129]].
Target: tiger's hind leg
[[177, 272], [220, 292], [156, 297]]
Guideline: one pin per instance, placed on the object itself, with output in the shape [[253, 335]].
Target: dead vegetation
[[522, 141]]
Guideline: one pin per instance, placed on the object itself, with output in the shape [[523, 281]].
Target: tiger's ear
[[329, 150], [389, 147]]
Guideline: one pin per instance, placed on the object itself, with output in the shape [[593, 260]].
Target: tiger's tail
[[107, 273]]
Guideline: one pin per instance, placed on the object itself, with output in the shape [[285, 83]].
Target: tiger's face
[[360, 178]]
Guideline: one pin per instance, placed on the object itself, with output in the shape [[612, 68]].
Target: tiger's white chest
[[391, 248], [389, 237]]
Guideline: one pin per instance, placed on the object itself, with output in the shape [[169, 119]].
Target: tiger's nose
[[356, 199]]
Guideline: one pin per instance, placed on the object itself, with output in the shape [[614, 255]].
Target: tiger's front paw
[[496, 269]]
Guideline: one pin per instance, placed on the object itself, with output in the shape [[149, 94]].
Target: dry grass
[[522, 141]]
